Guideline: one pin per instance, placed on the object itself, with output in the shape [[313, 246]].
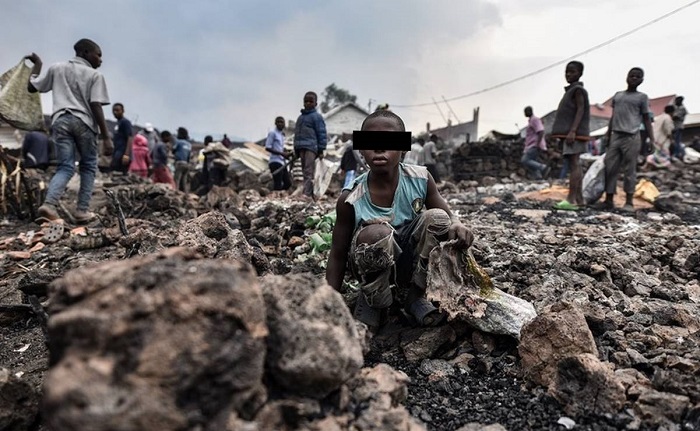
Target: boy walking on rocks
[[630, 109], [79, 91], [388, 222]]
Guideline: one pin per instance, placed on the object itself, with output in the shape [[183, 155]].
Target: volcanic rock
[[583, 385], [19, 402], [166, 341], [659, 408], [211, 235], [314, 345], [381, 389], [422, 343], [559, 332]]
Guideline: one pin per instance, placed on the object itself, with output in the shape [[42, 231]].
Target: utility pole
[[439, 110], [450, 108], [369, 105]]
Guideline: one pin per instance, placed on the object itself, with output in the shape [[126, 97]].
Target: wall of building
[[345, 121]]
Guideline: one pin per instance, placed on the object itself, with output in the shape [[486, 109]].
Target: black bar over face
[[387, 141]]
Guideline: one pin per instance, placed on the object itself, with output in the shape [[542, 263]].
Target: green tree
[[334, 96]]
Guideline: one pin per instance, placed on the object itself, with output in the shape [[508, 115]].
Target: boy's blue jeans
[[531, 162], [71, 135]]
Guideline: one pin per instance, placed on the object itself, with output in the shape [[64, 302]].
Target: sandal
[[367, 314], [425, 313], [565, 206]]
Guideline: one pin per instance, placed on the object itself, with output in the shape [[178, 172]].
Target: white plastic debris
[[23, 348], [466, 293], [567, 422]]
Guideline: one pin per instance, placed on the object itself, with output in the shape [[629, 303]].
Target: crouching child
[[388, 221]]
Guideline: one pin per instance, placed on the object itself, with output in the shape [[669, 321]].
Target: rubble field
[[212, 314]]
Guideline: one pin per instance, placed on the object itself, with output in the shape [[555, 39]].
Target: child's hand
[[571, 137], [461, 233]]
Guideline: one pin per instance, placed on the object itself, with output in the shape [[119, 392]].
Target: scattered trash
[[594, 181], [567, 422], [646, 190], [22, 349]]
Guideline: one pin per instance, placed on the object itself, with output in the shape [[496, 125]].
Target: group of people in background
[[424, 154], [623, 140]]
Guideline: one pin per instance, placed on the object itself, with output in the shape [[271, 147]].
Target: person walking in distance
[[123, 140], [79, 92], [534, 143], [181, 151], [679, 115], [430, 157]]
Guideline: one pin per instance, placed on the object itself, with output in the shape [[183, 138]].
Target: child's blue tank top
[[409, 198]]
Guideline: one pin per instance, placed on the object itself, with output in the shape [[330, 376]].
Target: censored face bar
[[386, 141]]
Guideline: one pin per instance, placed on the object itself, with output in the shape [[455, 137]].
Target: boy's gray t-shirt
[[75, 84], [629, 109]]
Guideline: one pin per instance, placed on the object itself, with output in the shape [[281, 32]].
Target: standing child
[[572, 127], [79, 91], [140, 157], [309, 140], [161, 172], [274, 144], [388, 222], [630, 108]]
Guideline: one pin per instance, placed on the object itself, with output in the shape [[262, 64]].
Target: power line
[[560, 62]]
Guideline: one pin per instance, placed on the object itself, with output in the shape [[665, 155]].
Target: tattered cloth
[[467, 293], [19, 107]]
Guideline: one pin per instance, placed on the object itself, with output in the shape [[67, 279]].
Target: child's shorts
[[399, 259]]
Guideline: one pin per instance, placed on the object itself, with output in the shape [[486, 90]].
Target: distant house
[[344, 119], [458, 134], [691, 127]]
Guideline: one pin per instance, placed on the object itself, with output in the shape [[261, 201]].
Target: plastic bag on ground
[[646, 190], [323, 176], [691, 156], [18, 107], [594, 181], [466, 293]]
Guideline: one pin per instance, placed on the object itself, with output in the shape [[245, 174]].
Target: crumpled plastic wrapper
[[467, 293], [18, 107]]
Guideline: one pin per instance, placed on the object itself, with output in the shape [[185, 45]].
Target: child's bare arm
[[650, 129], [457, 231], [578, 98], [340, 244], [36, 70]]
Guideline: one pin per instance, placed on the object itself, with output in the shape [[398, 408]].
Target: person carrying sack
[[79, 91]]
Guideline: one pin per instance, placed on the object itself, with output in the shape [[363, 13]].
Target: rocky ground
[[135, 326]]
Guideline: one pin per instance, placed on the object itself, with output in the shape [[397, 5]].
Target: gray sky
[[232, 66]]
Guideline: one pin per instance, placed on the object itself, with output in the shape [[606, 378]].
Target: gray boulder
[[166, 341], [583, 385], [558, 332], [314, 345]]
